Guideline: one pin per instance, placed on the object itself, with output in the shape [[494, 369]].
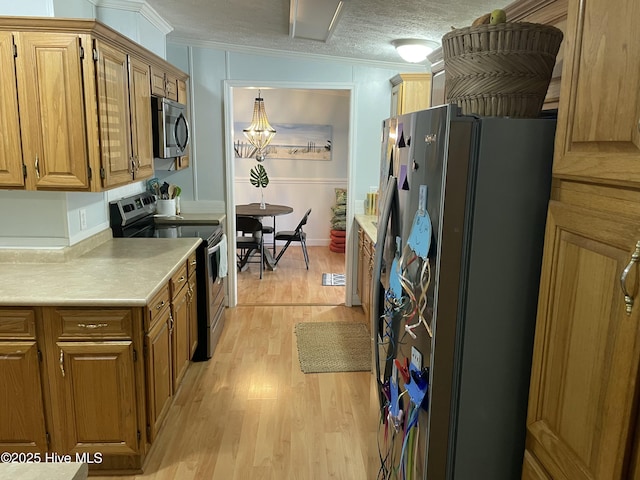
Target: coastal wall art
[[291, 142]]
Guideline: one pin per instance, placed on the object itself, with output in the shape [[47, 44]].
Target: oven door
[[211, 301]]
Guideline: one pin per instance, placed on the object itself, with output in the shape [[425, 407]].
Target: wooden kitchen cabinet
[[583, 386], [180, 341], [52, 110], [124, 100], [410, 92], [583, 400], [75, 105], [11, 174], [22, 421], [365, 270], [158, 354], [163, 84], [193, 304], [92, 377], [598, 135]]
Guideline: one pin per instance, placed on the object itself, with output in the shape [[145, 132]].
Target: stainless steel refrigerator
[[457, 261]]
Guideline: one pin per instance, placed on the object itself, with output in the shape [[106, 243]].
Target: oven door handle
[[214, 249]]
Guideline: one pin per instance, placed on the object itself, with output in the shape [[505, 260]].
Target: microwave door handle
[[175, 132]]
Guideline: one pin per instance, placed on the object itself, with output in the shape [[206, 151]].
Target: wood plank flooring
[[291, 283], [250, 413]]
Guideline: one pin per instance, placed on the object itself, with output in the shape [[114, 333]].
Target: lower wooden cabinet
[[22, 420], [365, 270], [91, 374], [180, 343], [158, 372], [193, 315], [583, 398], [531, 468]]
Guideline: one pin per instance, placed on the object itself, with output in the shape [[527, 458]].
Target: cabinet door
[[157, 81], [171, 87], [114, 116], [158, 369], [598, 135], [96, 389], [181, 346], [22, 426], [193, 315], [10, 146], [52, 116], [141, 133], [586, 354]]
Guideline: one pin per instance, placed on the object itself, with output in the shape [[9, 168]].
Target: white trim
[[399, 66], [229, 85], [139, 6]]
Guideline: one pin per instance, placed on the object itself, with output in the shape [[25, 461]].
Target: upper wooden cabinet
[[410, 92], [598, 136], [52, 110], [75, 105], [10, 146], [163, 83]]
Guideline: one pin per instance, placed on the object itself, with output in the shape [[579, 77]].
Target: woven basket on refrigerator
[[500, 70]]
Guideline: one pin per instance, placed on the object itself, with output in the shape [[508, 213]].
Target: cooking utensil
[[171, 191]]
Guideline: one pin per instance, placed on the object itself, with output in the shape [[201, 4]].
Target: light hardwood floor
[[250, 413], [291, 283]]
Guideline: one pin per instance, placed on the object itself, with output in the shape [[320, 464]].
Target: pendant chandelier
[[259, 133]]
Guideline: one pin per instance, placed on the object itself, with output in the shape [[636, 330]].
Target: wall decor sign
[[292, 142]]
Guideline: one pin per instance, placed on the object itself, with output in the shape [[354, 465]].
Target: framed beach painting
[[291, 142]]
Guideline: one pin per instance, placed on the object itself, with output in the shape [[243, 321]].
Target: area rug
[[334, 279], [333, 347]]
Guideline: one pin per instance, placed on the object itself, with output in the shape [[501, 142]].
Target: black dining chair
[[248, 240], [296, 235]]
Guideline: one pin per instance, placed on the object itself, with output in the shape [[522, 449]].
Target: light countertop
[[366, 222], [121, 272], [37, 471]]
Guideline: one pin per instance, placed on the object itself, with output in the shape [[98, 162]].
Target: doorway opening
[[301, 178]]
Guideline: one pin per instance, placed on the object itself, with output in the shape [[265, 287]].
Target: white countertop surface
[[40, 471], [118, 272], [366, 223]]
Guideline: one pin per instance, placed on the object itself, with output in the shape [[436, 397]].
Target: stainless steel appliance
[[133, 217], [170, 128], [455, 287]]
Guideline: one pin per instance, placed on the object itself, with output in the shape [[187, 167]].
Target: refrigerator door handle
[[383, 222]]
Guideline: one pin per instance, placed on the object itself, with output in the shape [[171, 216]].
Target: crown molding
[[398, 66], [138, 6]]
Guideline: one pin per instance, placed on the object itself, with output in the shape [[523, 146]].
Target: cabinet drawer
[[157, 306], [116, 323], [17, 323], [192, 263], [179, 279]]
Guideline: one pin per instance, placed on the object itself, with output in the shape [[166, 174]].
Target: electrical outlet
[[416, 358], [83, 219]]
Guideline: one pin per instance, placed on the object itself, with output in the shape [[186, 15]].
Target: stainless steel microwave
[[170, 128]]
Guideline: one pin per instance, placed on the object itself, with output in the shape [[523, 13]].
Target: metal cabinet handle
[[181, 279], [93, 325], [62, 362], [170, 322], [194, 262], [37, 166], [160, 305], [628, 297], [137, 163]]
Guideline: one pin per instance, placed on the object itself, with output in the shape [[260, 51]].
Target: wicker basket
[[500, 70]]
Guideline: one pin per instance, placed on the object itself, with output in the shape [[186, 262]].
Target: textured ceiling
[[365, 30]]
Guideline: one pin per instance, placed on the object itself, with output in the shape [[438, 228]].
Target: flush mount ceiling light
[[259, 133], [414, 50]]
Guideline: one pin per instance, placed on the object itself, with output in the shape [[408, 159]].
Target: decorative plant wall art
[[292, 142]]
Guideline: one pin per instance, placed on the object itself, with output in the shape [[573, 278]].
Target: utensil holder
[[166, 207]]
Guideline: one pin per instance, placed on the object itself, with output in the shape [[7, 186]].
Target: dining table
[[269, 210]]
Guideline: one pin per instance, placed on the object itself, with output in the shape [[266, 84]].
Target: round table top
[[270, 210]]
